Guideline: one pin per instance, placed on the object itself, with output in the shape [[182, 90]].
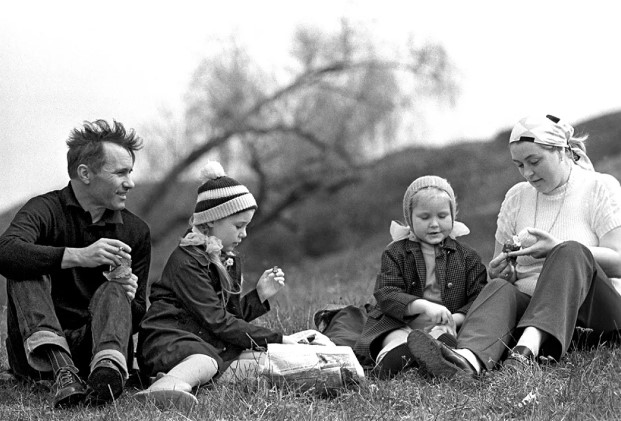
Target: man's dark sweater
[[34, 244]]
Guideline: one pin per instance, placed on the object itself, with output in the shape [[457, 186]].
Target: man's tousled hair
[[86, 144]]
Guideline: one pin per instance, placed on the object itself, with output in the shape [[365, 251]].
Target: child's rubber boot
[[169, 392]]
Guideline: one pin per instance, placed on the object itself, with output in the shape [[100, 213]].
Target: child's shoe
[[395, 361], [169, 392]]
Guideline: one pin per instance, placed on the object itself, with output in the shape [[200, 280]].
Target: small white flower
[[229, 262], [530, 399]]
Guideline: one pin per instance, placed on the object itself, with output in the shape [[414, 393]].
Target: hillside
[[355, 221]]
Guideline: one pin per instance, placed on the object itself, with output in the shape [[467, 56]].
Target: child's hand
[[310, 337], [438, 314], [438, 330], [289, 340], [272, 281]]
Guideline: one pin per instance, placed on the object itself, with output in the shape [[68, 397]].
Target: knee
[[110, 288], [111, 294], [572, 250], [499, 284], [499, 288]]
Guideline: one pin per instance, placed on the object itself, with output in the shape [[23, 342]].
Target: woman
[[562, 277]]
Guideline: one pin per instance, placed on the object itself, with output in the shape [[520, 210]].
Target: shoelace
[[65, 378]]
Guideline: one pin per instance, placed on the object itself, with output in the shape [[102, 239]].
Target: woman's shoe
[[395, 361], [520, 357]]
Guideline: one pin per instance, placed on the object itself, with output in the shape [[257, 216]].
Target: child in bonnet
[[427, 280]]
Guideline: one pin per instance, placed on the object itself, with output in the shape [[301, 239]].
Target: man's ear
[[84, 173]]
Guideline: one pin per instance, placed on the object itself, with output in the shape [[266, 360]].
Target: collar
[[200, 255], [447, 244], [109, 216], [197, 254]]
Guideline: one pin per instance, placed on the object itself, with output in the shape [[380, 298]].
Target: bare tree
[[313, 133]]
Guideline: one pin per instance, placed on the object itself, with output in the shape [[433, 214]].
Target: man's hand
[[105, 251], [130, 285]]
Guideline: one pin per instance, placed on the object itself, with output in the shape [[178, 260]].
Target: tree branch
[[257, 167], [162, 188], [240, 125], [301, 192]]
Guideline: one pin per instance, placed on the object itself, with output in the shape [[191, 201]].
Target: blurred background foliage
[[320, 143]]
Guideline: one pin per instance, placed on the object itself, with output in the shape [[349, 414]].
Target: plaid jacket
[[401, 280]]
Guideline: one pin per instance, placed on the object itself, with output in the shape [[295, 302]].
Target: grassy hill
[[353, 224]]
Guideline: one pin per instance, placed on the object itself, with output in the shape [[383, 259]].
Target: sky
[[64, 62]]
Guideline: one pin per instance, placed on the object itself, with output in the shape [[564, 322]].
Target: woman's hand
[[501, 267], [544, 244], [270, 283]]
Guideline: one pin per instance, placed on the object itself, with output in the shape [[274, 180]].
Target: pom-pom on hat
[[220, 196]]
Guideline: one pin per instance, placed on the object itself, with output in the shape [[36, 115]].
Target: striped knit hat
[[220, 196]]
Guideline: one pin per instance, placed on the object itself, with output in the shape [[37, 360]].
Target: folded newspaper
[[324, 369]]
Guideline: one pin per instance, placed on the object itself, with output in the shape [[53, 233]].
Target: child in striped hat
[[198, 323]]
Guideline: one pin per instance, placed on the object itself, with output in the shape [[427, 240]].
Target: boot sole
[[168, 399], [428, 355], [71, 399], [107, 385]]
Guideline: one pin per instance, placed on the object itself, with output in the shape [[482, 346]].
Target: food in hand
[[511, 246], [275, 270], [523, 239], [122, 271]]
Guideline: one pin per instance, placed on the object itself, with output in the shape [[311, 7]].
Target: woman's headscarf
[[551, 131]]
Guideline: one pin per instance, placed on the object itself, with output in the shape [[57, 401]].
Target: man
[[68, 316]]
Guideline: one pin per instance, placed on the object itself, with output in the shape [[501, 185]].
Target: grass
[[586, 384]]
